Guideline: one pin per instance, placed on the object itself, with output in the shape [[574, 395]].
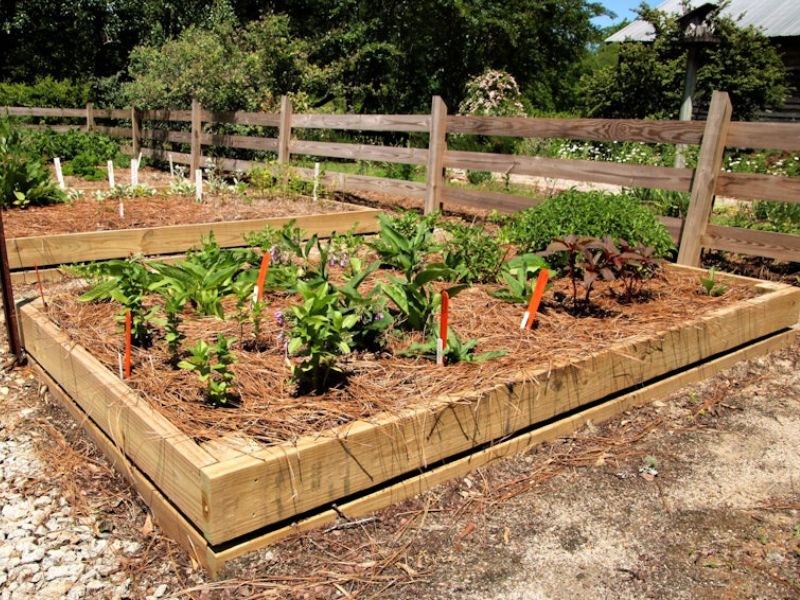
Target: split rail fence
[[703, 183]]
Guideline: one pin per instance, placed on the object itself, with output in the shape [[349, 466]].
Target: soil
[[269, 410], [88, 214]]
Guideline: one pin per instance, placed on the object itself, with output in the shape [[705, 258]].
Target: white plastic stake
[[119, 364], [121, 210], [171, 166], [524, 323], [111, 174], [59, 173], [439, 351], [138, 160], [198, 184], [134, 172], [316, 180]]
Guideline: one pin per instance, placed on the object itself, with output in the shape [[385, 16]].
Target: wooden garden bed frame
[[223, 498], [24, 253]]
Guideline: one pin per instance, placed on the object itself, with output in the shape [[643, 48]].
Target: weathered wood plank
[[781, 246], [487, 200], [164, 135], [392, 154], [754, 186], [285, 130], [437, 148], [247, 142], [194, 138], [166, 114], [628, 175], [242, 118], [363, 122], [705, 178], [121, 132], [172, 239], [773, 136], [31, 111], [605, 130], [674, 225], [170, 458], [250, 492]]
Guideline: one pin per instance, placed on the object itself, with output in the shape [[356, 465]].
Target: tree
[[648, 78]]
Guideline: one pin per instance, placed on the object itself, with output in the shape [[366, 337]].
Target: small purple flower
[[279, 318], [275, 254], [332, 260], [378, 316]]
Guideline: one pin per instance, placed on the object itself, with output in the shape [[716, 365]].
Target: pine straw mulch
[[87, 214], [270, 411]]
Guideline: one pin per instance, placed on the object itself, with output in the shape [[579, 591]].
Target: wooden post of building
[[284, 129], [704, 183], [437, 145], [136, 133], [197, 128], [89, 116]]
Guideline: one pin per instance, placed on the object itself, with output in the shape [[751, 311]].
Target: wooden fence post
[[437, 145], [135, 130], [704, 183], [89, 116], [197, 128], [284, 129]]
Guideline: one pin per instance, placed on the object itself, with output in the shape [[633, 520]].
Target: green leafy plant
[[404, 248], [125, 191], [456, 350], [587, 214], [414, 296], [472, 253], [127, 282], [85, 165], [710, 285], [212, 363], [370, 308], [319, 333], [519, 274]]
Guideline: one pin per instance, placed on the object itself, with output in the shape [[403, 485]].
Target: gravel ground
[[696, 496]]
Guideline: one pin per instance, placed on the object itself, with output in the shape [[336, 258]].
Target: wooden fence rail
[[703, 183]]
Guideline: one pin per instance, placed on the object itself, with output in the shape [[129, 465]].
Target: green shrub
[[478, 177], [85, 165], [68, 145], [24, 179], [593, 214], [45, 92], [474, 254]]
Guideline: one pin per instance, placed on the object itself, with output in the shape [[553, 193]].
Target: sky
[[622, 8]]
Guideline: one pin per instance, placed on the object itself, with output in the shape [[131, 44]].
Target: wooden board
[[487, 200], [755, 186], [247, 142], [363, 122], [150, 241], [288, 479], [392, 154], [174, 524], [773, 136], [242, 118], [622, 130], [30, 111], [781, 246], [665, 178]]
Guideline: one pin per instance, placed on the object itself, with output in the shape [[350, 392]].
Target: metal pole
[[685, 114], [9, 307]]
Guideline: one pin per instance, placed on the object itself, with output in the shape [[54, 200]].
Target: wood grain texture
[[487, 200], [172, 239], [285, 129], [111, 113], [754, 186], [628, 175], [29, 111], [269, 486], [247, 142], [622, 130], [194, 139], [781, 246], [773, 136], [242, 118], [392, 154], [674, 225], [363, 122], [166, 114], [136, 131], [170, 458], [164, 135], [704, 184], [437, 147]]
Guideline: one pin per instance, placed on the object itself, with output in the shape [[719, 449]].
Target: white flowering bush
[[495, 93]]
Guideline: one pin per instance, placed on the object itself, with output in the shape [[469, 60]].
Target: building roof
[[775, 18]]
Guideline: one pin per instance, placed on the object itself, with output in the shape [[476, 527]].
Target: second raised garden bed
[[223, 486]]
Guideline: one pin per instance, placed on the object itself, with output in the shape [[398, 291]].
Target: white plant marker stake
[[134, 172], [138, 160], [121, 209], [59, 173], [171, 166], [524, 323], [119, 363], [111, 175], [439, 351], [316, 180], [198, 185]]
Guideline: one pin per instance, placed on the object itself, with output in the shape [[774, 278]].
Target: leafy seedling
[[212, 364], [456, 351], [710, 285]]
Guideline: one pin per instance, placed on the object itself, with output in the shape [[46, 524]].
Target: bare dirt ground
[[695, 496]]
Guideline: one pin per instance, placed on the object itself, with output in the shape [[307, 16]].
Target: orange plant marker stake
[[536, 298], [128, 325], [41, 287], [441, 343], [262, 277]]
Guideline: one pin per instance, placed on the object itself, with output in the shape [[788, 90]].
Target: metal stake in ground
[[9, 308]]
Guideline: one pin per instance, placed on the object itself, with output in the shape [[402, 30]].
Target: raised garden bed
[[88, 229], [227, 480]]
